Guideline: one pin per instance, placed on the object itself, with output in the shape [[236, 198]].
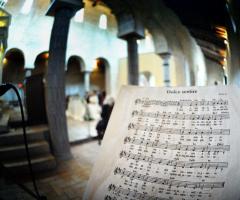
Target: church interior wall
[[165, 33], [147, 62], [86, 39], [176, 40], [214, 73], [31, 32]]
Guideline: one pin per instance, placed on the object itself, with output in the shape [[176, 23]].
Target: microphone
[[4, 88]]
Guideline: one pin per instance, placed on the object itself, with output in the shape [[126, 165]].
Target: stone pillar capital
[[165, 55], [57, 5], [129, 26]]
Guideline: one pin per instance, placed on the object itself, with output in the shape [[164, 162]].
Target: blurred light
[[79, 17], [1, 47], [20, 85], [5, 61], [95, 65], [45, 55], [103, 21], [26, 6], [223, 53], [221, 32], [3, 23], [231, 17]]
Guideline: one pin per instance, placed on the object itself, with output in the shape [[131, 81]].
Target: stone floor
[[80, 130], [67, 182]]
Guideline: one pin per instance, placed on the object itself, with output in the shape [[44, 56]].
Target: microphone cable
[[3, 89]]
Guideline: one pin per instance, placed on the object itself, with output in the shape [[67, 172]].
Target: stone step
[[34, 134], [19, 151], [20, 167]]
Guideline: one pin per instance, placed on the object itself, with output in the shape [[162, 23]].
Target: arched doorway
[[13, 66], [41, 63], [74, 79], [100, 76], [13, 71], [75, 94]]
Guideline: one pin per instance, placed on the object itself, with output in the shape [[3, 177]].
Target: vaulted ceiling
[[208, 21]]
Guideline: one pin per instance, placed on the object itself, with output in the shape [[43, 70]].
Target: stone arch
[[169, 35], [13, 66], [100, 76], [162, 21], [74, 76], [41, 63], [75, 61]]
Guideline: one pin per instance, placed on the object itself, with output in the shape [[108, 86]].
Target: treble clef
[[137, 101], [122, 154], [135, 112], [117, 170], [127, 139], [130, 126]]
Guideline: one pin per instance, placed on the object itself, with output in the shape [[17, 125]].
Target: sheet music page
[[179, 143]]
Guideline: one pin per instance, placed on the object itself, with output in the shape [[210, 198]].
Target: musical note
[[170, 143], [159, 129], [169, 182], [132, 194], [177, 116], [183, 164], [201, 148], [146, 102]]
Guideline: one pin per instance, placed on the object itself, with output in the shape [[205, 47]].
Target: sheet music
[[170, 144]]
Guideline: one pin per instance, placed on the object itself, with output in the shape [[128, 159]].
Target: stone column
[[133, 68], [166, 68], [55, 77], [130, 29], [87, 81]]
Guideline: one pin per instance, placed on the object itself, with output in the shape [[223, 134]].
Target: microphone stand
[[3, 89]]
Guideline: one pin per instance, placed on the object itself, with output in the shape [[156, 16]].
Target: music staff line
[[178, 116], [150, 102], [183, 147], [132, 194], [169, 182], [183, 164], [159, 129]]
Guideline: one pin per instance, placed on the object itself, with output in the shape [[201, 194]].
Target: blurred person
[[105, 115], [101, 97], [93, 109]]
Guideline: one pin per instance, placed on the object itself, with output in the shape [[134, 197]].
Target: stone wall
[[31, 33]]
